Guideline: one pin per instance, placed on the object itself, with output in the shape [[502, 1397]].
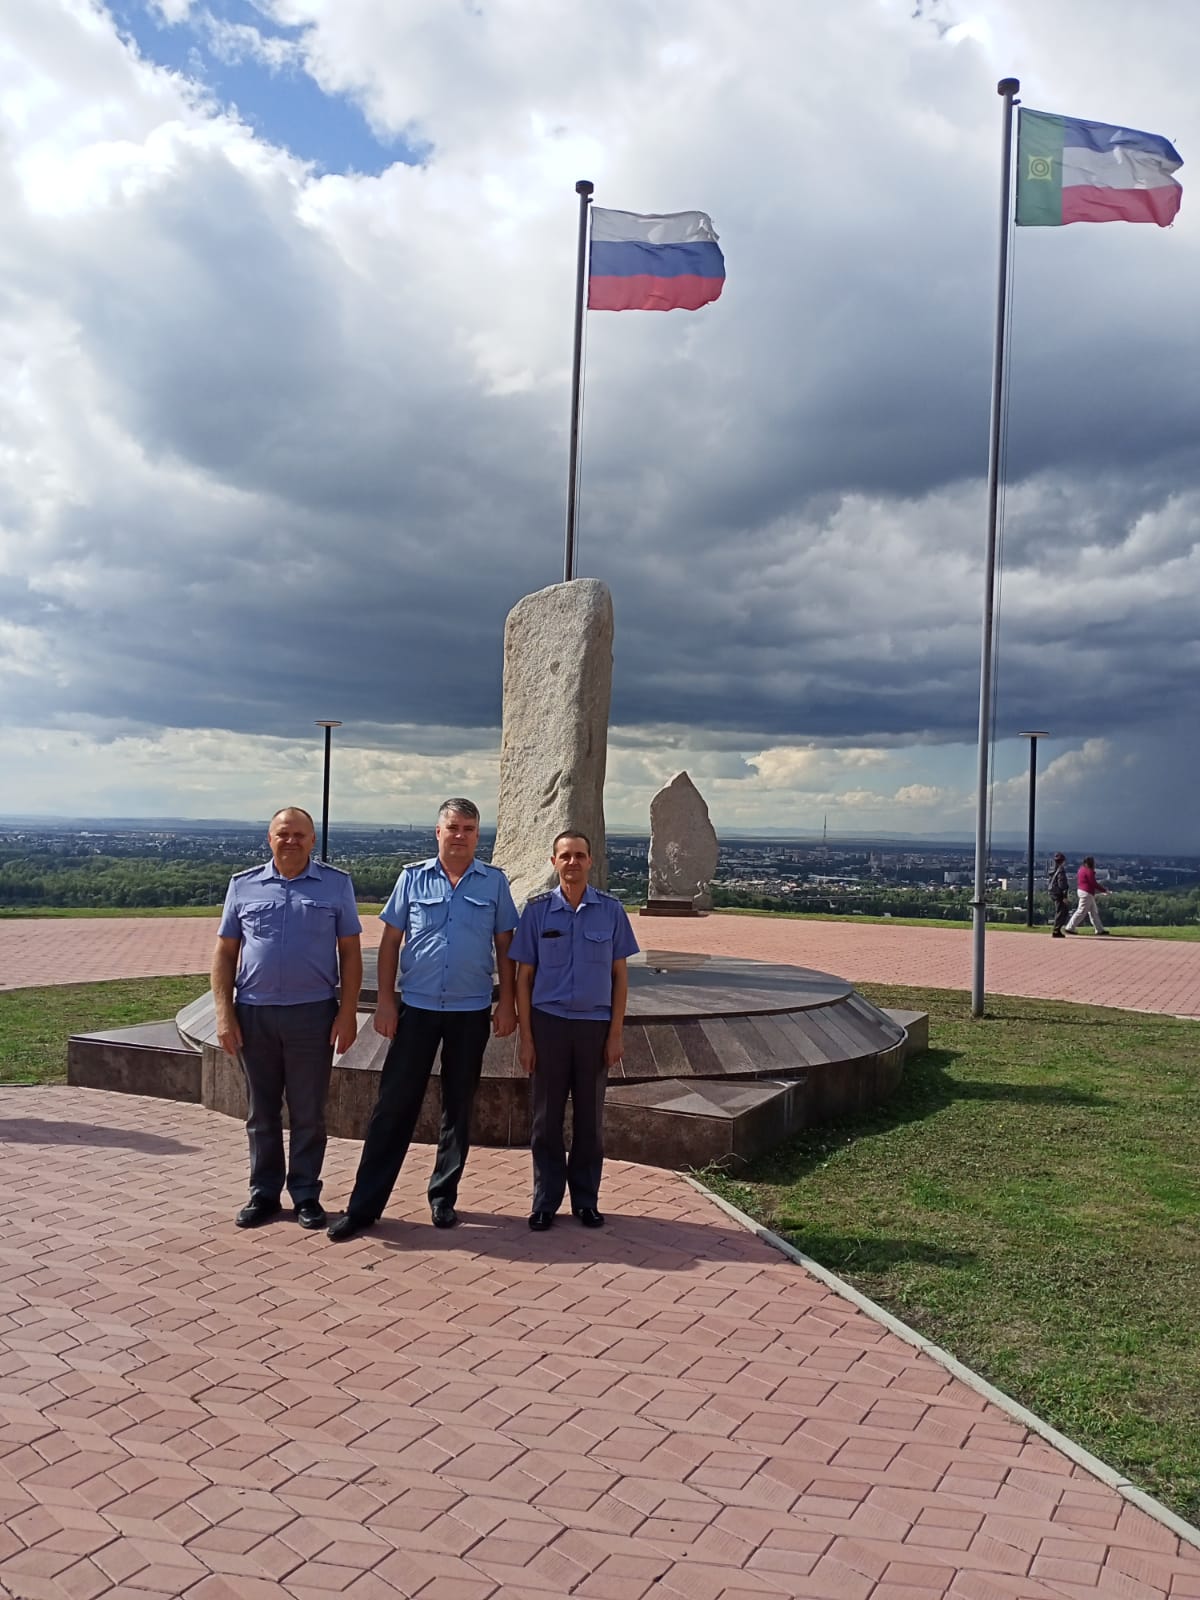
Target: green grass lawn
[[36, 1023], [1030, 1200], [21, 913]]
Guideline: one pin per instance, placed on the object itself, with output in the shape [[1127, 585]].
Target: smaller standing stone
[[683, 850]]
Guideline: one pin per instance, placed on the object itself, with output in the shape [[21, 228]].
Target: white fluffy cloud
[[280, 442]]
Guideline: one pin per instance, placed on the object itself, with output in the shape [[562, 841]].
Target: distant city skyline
[[285, 344]]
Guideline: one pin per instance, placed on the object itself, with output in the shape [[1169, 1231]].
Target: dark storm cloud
[[315, 435]]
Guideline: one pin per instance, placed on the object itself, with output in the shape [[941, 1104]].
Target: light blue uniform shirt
[[289, 928], [573, 951], [447, 959]]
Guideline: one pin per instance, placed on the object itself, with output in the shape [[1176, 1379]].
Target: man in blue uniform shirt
[[286, 930], [446, 918], [571, 949]]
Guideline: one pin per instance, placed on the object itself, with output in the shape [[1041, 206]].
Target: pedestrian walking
[[1088, 889], [1056, 887]]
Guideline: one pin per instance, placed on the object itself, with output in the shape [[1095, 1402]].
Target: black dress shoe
[[589, 1216], [444, 1215], [539, 1221], [348, 1225], [258, 1209], [311, 1214]]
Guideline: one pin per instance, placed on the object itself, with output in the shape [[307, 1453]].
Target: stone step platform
[[724, 1059]]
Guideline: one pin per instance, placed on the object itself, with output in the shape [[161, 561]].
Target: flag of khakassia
[[654, 263], [1074, 171]]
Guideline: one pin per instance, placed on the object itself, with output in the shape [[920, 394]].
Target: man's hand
[[387, 1016], [504, 1019], [229, 1035], [614, 1048], [344, 1031], [527, 1056]]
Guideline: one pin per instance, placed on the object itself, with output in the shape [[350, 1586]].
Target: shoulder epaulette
[[404, 865], [534, 898], [327, 867], [246, 871], [606, 894]]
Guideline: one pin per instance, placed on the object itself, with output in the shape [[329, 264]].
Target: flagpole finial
[[1009, 86], [584, 186]]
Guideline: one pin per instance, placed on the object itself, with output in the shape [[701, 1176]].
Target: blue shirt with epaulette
[[289, 928], [446, 961], [573, 951]]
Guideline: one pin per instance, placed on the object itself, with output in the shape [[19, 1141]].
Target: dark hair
[[300, 812], [1058, 856], [1090, 861], [570, 833], [464, 808]]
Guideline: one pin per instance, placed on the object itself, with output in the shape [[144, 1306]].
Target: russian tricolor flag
[[655, 263]]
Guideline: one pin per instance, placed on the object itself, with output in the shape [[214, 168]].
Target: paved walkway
[[1142, 974], [665, 1409]]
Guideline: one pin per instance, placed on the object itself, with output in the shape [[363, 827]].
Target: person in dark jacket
[[1056, 887]]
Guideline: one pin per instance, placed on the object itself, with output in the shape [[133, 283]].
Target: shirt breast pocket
[[598, 947], [261, 920], [314, 913], [553, 952], [427, 916], [481, 912]]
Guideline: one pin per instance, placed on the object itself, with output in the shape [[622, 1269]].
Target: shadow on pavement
[[657, 1244], [35, 1130]]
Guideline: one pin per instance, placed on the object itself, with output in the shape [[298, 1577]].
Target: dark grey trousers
[[286, 1051], [463, 1037], [570, 1061]]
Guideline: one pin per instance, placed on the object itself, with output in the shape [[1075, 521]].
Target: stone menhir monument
[[558, 655], [683, 851]]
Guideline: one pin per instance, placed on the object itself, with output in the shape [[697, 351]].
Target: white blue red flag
[[653, 263], [1069, 170]]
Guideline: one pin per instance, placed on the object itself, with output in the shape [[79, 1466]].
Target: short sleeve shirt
[[447, 960], [289, 928], [572, 951]]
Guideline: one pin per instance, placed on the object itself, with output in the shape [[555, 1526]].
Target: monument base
[[669, 908], [724, 1059]]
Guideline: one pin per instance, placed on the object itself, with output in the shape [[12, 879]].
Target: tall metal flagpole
[[1008, 88], [584, 190]]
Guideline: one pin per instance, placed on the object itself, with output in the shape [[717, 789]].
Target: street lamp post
[[1033, 735], [329, 727]]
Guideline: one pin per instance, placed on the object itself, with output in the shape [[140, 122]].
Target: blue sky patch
[[282, 104]]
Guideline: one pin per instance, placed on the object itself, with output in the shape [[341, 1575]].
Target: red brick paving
[[665, 1409], [1142, 974]]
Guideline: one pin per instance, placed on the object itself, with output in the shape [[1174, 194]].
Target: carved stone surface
[[557, 688], [683, 844]]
